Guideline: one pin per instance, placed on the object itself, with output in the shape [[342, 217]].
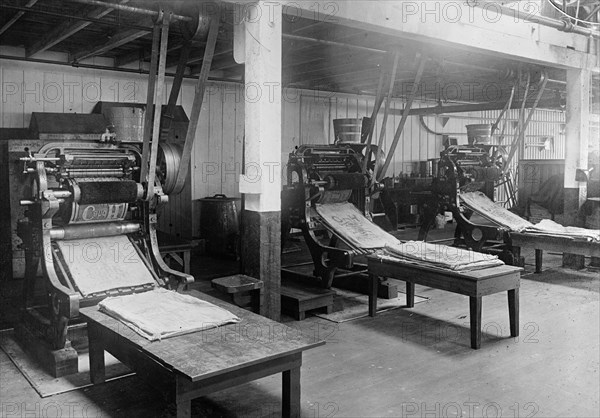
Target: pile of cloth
[[162, 313], [441, 256]]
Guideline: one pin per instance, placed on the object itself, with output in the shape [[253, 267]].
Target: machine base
[[360, 284], [357, 281], [59, 363]]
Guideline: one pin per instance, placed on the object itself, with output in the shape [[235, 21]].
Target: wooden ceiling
[[317, 55]]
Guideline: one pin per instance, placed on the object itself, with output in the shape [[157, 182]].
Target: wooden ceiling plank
[[66, 30], [118, 39], [16, 17]]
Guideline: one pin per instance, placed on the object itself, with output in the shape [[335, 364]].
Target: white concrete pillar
[[257, 41], [577, 136]]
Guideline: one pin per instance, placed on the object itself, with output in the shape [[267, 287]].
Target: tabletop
[[212, 352]]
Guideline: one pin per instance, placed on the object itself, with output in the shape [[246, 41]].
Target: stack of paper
[[162, 313], [548, 227], [480, 203], [443, 256]]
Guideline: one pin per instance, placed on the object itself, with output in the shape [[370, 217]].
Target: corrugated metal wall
[[217, 152]]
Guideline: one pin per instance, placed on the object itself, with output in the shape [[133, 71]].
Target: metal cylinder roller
[[169, 158], [94, 230], [105, 190], [343, 181]]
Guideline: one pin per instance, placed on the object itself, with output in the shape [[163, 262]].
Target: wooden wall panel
[[52, 92], [32, 96], [73, 93], [12, 98], [217, 152]]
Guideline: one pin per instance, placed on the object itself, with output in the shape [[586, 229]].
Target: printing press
[[321, 177], [463, 169], [90, 224]]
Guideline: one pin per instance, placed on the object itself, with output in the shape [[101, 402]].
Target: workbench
[[475, 284], [196, 364], [563, 245]]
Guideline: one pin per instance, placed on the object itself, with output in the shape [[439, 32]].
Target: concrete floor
[[403, 363]]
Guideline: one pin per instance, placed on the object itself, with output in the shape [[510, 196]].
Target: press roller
[[91, 229]]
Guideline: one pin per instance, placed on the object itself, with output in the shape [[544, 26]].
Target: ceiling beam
[[118, 39], [66, 30], [332, 68], [477, 107], [16, 17], [461, 26]]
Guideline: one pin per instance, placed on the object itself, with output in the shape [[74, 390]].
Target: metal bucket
[[220, 225], [128, 121], [479, 133], [347, 130]]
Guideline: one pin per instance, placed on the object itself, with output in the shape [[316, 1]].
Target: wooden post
[[261, 181], [576, 152]]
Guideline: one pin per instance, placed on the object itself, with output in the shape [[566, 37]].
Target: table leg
[[374, 282], [538, 260], [255, 300], [410, 294], [186, 261], [184, 408], [513, 311], [96, 353], [475, 308], [291, 393]]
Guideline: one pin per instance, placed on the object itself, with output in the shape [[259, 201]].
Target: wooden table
[[193, 365], [543, 243], [474, 284]]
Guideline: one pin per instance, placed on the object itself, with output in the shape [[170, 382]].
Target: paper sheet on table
[[441, 256], [482, 204], [106, 263], [351, 225], [548, 227], [162, 313]]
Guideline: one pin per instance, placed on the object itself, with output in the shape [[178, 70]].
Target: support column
[[577, 137], [576, 153], [257, 40]]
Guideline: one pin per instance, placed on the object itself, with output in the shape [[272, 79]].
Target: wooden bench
[[474, 284], [239, 285], [176, 249], [573, 250], [196, 364], [297, 299]]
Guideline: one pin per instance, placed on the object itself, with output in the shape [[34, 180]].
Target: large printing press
[[474, 167], [87, 221], [336, 178]]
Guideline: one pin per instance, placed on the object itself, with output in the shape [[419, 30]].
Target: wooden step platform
[[297, 299]]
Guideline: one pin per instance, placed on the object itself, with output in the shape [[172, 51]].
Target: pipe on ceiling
[[333, 43], [562, 25], [474, 107], [131, 9], [74, 17], [105, 67]]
